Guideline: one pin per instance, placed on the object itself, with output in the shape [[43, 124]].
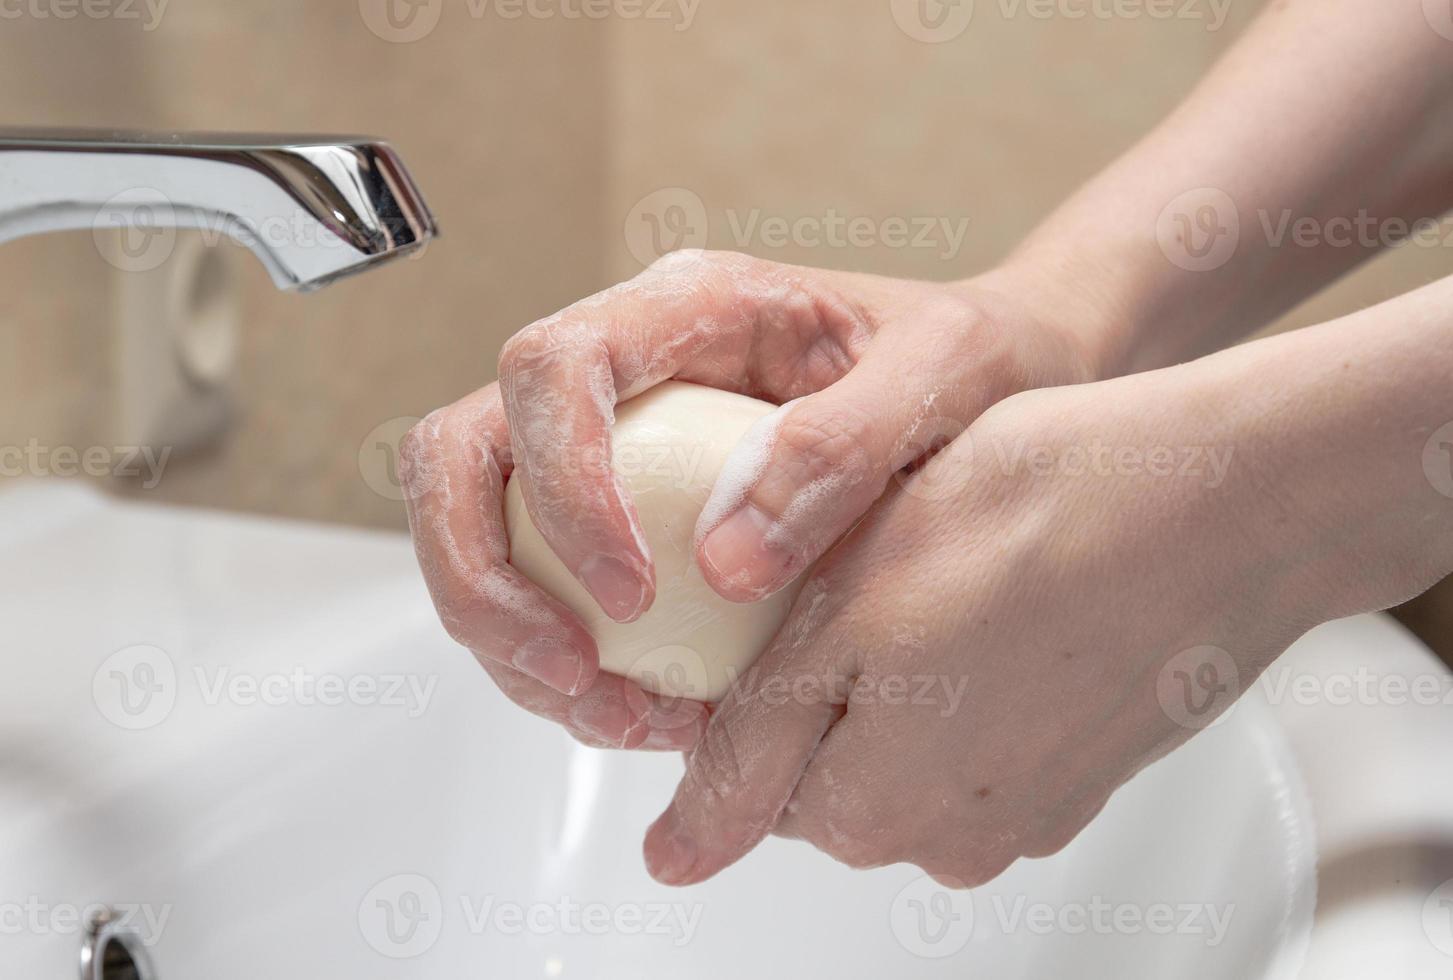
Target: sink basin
[[255, 737]]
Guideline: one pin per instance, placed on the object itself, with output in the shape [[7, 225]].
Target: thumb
[[747, 763], [803, 476]]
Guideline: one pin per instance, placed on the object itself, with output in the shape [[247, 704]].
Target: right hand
[[876, 368]]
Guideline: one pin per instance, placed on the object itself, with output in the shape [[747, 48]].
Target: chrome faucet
[[314, 209]]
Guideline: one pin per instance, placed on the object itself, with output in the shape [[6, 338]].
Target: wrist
[[1333, 430], [1089, 307]]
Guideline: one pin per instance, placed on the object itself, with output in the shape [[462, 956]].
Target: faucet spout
[[312, 208]]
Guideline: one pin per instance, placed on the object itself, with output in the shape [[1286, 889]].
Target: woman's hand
[[1068, 592], [872, 366]]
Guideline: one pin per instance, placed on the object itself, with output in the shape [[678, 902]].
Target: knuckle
[[862, 856], [975, 330], [588, 740], [457, 615], [418, 450], [541, 343], [976, 873], [534, 698], [702, 262], [465, 615], [526, 347], [972, 864]]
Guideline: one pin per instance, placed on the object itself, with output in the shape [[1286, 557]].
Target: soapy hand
[[872, 368], [870, 365], [1005, 640]]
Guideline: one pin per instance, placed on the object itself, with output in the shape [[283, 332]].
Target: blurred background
[[561, 143]]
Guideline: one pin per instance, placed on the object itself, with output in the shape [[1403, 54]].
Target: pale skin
[[1062, 593]]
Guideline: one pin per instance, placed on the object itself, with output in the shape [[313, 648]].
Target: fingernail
[[607, 721], [670, 850], [618, 590], [740, 557], [551, 662]]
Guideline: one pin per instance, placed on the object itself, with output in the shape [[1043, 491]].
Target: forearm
[[1326, 109], [1343, 435]]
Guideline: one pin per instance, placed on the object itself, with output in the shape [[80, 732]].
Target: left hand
[[975, 669]]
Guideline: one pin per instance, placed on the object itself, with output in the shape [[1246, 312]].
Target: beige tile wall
[[505, 130], [534, 139]]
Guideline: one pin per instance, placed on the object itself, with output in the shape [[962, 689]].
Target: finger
[[453, 466], [759, 741], [561, 379], [613, 713], [803, 476]]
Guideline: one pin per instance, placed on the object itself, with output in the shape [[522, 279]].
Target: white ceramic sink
[[428, 829]]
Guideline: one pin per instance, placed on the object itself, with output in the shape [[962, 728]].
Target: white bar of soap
[[669, 446]]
